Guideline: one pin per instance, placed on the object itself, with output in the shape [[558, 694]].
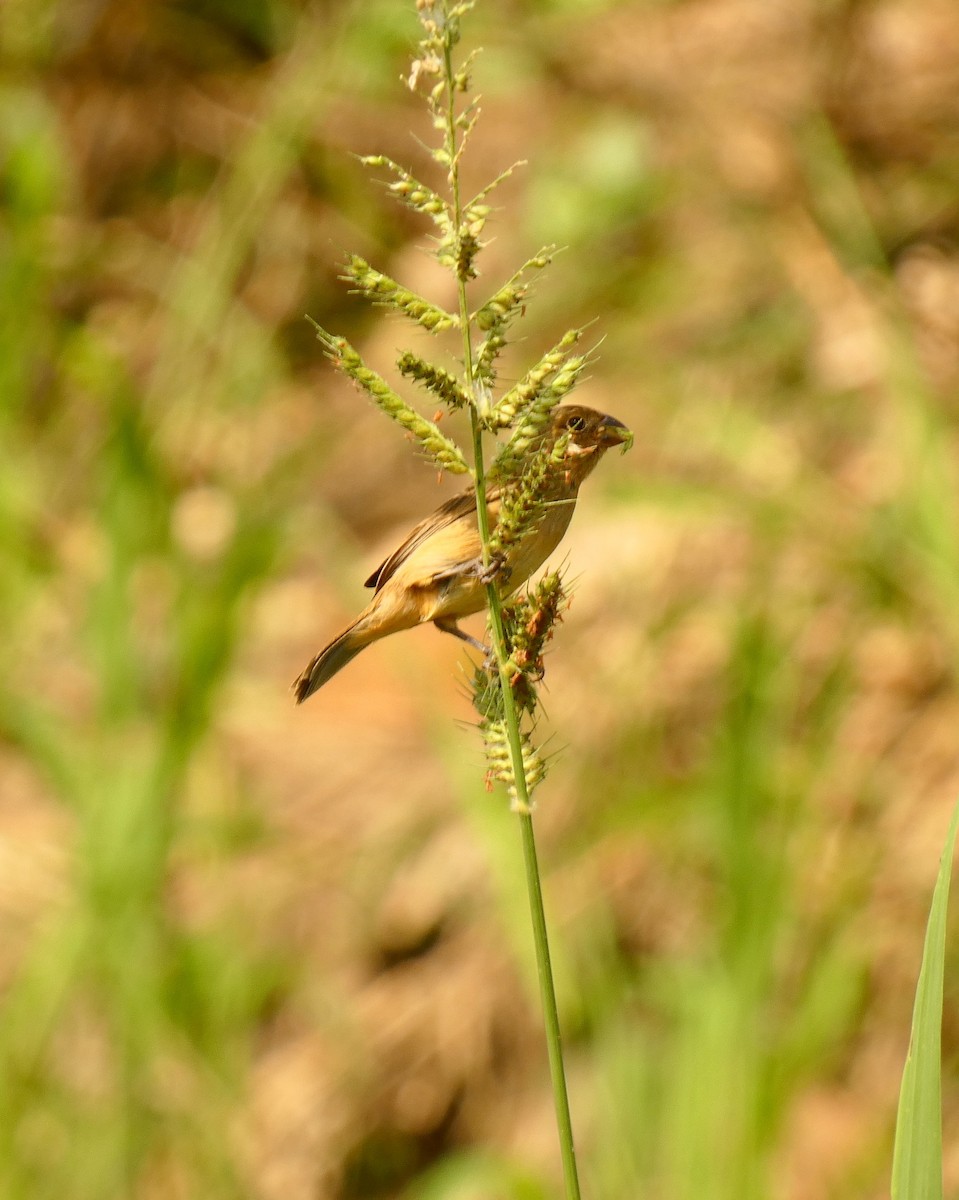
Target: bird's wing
[[453, 510]]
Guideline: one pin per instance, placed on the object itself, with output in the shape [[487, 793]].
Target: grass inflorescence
[[504, 687], [522, 411]]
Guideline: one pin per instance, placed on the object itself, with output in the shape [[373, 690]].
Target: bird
[[437, 574]]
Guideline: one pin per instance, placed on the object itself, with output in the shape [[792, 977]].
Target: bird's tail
[[330, 660]]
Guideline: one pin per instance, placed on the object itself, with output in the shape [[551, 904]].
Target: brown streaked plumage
[[435, 574]]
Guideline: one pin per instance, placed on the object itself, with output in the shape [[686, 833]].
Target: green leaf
[[917, 1156]]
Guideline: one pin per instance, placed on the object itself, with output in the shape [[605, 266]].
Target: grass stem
[[512, 718]]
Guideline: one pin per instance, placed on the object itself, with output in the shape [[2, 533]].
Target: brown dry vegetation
[[324, 989]]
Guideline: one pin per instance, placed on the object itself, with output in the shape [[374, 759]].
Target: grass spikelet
[[473, 208], [521, 505], [459, 250], [531, 386], [435, 379], [439, 448], [506, 302], [529, 622], [381, 289], [488, 352], [534, 420], [466, 248], [499, 763], [500, 310], [411, 192]]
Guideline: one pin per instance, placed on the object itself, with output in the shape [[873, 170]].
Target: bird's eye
[[577, 424]]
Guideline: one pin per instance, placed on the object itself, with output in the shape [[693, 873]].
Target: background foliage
[[248, 951]]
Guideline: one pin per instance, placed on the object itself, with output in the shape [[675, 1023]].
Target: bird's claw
[[489, 572]]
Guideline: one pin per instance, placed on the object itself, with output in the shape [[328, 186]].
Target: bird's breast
[[537, 545]]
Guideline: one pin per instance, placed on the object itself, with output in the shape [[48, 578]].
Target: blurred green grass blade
[[917, 1156], [472, 1174]]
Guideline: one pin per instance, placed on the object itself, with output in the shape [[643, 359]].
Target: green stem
[[534, 888]]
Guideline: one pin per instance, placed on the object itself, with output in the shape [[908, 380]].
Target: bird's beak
[[614, 433]]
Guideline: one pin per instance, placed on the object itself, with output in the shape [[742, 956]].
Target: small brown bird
[[436, 574]]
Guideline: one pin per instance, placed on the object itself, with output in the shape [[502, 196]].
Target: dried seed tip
[[381, 289], [426, 64], [435, 379], [440, 22]]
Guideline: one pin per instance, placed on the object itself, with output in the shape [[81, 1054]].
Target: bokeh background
[[253, 951]]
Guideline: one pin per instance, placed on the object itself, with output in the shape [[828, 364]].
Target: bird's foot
[[450, 626], [490, 572]]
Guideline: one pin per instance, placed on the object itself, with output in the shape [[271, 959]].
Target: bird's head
[[589, 429], [589, 435]]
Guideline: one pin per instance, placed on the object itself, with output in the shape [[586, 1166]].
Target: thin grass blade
[[917, 1156]]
